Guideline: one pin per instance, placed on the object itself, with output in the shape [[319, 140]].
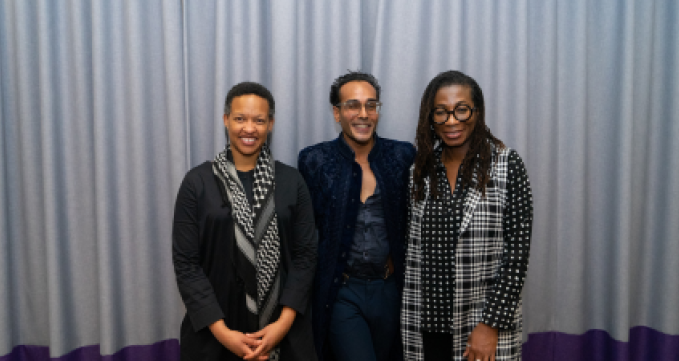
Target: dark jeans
[[364, 324]]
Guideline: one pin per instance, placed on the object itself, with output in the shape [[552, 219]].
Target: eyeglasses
[[353, 107], [461, 112]]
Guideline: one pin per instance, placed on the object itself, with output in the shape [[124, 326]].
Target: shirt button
[[354, 174], [335, 280]]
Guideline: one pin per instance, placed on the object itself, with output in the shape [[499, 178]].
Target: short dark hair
[[248, 87], [349, 77]]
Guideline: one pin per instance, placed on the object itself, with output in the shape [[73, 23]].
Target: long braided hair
[[476, 162]]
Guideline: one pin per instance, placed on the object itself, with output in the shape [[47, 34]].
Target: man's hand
[[481, 344], [237, 342], [390, 266], [271, 335]]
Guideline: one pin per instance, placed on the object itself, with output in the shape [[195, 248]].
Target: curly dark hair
[[349, 77], [246, 88], [479, 155]]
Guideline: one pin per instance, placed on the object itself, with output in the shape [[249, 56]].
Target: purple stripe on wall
[[644, 344], [163, 350]]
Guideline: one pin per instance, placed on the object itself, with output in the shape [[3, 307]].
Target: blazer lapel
[[470, 202], [474, 196]]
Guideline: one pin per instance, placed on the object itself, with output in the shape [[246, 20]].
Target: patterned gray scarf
[[256, 233]]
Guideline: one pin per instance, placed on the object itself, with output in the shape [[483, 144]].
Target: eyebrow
[[454, 105], [368, 100], [243, 115]]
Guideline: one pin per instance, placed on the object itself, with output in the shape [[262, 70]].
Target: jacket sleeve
[[517, 224], [195, 288], [297, 289], [303, 165], [409, 214]]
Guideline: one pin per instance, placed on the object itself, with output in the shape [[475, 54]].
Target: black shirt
[[247, 179], [370, 250], [441, 232]]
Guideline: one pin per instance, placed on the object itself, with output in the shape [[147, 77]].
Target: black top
[[370, 250], [247, 179], [441, 232], [203, 245]]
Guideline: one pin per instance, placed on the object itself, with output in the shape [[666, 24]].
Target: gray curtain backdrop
[[93, 148], [105, 105]]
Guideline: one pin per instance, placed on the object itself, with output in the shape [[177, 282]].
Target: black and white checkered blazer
[[491, 260]]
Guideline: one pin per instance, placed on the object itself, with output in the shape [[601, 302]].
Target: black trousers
[[437, 346]]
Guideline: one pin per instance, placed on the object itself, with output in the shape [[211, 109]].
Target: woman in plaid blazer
[[469, 229]]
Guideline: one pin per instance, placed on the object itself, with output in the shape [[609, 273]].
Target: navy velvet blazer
[[334, 181]]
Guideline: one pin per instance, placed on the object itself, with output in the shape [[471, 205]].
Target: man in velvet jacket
[[358, 184]]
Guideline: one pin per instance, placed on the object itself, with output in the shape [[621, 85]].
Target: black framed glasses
[[353, 107], [461, 113]]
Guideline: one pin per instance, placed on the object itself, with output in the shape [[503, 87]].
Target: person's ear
[[336, 113], [271, 121]]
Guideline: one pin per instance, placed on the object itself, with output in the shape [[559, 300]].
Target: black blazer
[[203, 244]]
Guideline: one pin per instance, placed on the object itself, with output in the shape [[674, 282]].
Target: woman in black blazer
[[244, 245]]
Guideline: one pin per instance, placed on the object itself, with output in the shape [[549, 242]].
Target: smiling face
[[248, 125], [358, 128], [455, 134]]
